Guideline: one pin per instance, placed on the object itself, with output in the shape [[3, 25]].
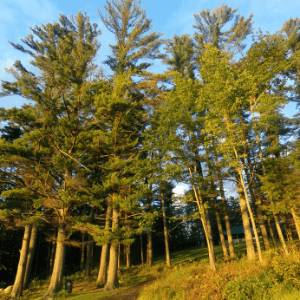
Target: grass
[[189, 271]]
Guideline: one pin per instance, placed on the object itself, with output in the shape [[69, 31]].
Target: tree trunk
[[57, 274], [142, 249], [149, 248], [88, 264], [222, 238], [127, 248], [112, 277], [17, 289], [37, 254], [31, 252], [105, 251], [225, 213], [52, 256], [280, 235], [82, 252], [296, 221], [168, 259], [272, 234], [246, 222]]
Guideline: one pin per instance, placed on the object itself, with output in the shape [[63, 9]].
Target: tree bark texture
[[112, 277], [296, 221], [168, 259], [149, 248], [57, 274], [105, 251], [222, 238], [246, 223], [31, 252], [142, 249], [272, 234], [280, 235], [17, 289]]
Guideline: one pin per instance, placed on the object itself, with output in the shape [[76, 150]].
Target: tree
[[211, 29], [63, 53]]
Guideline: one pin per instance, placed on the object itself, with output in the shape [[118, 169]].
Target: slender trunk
[[149, 248], [256, 199], [142, 250], [112, 277], [168, 259], [31, 252], [52, 256], [296, 221], [222, 238], [127, 247], [225, 213], [17, 289], [57, 274], [37, 254], [280, 235], [199, 200], [287, 229], [246, 223], [89, 248], [105, 250], [82, 252], [209, 230], [272, 234]]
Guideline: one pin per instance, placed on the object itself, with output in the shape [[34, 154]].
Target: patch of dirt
[[133, 292]]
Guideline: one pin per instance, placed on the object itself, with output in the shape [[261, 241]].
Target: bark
[[17, 289], [225, 213], [280, 235], [222, 238], [287, 229], [88, 264], [246, 222], [296, 221], [256, 199], [142, 250], [57, 274], [52, 256], [37, 254], [105, 250], [149, 248], [272, 234], [82, 252], [127, 248], [31, 252], [168, 259], [112, 277]]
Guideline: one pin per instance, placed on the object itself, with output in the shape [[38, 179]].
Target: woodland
[[87, 168]]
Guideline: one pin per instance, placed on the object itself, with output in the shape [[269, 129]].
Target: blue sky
[[168, 16]]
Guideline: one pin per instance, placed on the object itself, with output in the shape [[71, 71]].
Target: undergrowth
[[278, 277]]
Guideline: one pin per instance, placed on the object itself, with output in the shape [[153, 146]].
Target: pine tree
[[212, 29]]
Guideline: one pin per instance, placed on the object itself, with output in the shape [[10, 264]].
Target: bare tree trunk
[[225, 213], [57, 274], [112, 277], [17, 289], [222, 238], [127, 247], [105, 250], [82, 252], [168, 259], [256, 199], [149, 248], [37, 254], [280, 235], [31, 252], [272, 234], [89, 249], [142, 250], [52, 256], [296, 221], [246, 223]]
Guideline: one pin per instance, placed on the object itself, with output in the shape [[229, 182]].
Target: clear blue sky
[[168, 16]]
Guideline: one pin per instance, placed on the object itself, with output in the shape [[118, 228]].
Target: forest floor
[[137, 279]]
